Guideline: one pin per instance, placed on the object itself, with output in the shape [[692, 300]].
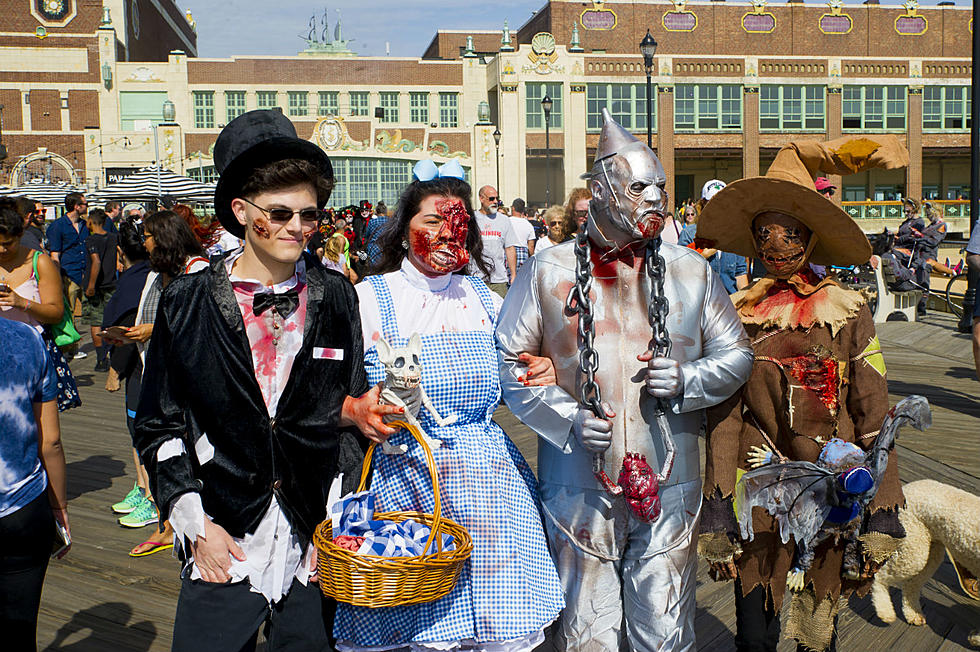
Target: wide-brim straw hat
[[788, 188]]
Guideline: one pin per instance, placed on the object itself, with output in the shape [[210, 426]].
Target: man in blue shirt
[[66, 242], [730, 267]]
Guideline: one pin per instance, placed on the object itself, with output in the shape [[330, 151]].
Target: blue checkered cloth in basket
[[353, 515]]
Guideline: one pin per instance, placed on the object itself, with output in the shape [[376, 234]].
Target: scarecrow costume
[[625, 553], [818, 374]]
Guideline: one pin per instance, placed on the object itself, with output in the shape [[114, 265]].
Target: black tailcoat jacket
[[199, 381]]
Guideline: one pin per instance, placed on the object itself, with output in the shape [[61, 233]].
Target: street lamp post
[[546, 104], [496, 142], [648, 46]]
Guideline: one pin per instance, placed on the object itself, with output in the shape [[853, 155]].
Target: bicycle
[[954, 296]]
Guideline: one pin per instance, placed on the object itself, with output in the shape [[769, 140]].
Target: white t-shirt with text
[[498, 234]]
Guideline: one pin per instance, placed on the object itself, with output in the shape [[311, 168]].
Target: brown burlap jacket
[[818, 374]]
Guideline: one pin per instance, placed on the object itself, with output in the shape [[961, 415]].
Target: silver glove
[[594, 434]]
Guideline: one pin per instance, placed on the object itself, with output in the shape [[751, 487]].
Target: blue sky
[[249, 27]]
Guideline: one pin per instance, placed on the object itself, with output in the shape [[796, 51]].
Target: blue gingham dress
[[509, 589]]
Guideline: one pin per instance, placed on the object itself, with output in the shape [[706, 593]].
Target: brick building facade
[[731, 83]]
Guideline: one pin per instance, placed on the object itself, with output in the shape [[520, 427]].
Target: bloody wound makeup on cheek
[[260, 226]]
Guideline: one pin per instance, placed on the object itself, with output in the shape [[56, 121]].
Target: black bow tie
[[285, 303]]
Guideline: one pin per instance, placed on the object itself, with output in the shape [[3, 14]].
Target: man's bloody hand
[[367, 413]]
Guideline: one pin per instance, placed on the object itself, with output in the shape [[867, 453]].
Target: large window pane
[[815, 107], [792, 107], [626, 102], [234, 104], [419, 107], [640, 107], [731, 107], [708, 107], [389, 103], [448, 109], [895, 108], [852, 107], [684, 106], [535, 92], [204, 109], [358, 103], [769, 107], [139, 110], [597, 96], [329, 103], [266, 99], [368, 178], [299, 103]]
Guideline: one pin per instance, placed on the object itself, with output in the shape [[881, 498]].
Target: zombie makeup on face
[[635, 183], [262, 227], [781, 242], [438, 240]]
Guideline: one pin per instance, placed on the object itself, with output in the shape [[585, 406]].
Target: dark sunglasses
[[491, 199], [283, 215], [558, 223], [581, 213]]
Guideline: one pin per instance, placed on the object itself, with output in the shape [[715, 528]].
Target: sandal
[[155, 546]]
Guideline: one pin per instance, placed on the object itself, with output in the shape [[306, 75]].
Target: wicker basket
[[372, 581]]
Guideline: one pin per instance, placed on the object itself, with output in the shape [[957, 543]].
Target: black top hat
[[248, 142]]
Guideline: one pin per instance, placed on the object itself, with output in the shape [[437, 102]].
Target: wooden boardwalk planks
[[99, 598]]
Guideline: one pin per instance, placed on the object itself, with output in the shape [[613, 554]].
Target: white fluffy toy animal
[[938, 520], [403, 388]]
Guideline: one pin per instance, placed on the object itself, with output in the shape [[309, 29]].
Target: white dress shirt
[[273, 556], [425, 305]]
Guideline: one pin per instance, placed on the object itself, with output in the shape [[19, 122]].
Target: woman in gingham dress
[[509, 590]]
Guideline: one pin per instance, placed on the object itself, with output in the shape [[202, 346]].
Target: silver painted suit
[[623, 577]]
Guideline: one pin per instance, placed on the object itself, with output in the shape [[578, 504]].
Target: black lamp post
[[648, 46], [546, 105], [973, 275], [496, 142]]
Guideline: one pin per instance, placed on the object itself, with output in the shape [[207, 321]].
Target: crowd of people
[[252, 351]]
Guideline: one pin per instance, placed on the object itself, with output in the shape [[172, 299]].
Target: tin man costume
[[626, 554]]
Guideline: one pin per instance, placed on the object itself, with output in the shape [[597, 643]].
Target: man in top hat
[[628, 573], [248, 398], [818, 374]]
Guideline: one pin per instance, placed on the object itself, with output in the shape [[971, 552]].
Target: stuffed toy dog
[[938, 520]]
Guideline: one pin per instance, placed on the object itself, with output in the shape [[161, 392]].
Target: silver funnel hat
[[629, 203]]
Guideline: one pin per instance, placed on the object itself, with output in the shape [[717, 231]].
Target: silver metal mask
[[629, 203]]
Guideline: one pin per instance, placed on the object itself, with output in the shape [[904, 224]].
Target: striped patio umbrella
[[153, 183], [50, 194]]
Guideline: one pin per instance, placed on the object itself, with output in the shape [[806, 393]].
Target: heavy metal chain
[[659, 306], [580, 303], [589, 394], [657, 313]]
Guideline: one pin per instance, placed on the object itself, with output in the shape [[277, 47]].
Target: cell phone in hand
[[4, 288], [62, 541]]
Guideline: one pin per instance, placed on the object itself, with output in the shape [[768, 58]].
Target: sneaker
[[130, 502], [102, 365], [81, 355], [145, 514]]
